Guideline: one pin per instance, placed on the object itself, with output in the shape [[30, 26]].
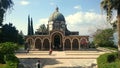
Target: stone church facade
[[58, 37]]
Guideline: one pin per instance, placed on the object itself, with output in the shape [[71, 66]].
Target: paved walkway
[[61, 59], [60, 63]]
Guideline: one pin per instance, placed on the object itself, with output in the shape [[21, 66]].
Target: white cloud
[[77, 7], [24, 2], [52, 3], [41, 21], [84, 22]]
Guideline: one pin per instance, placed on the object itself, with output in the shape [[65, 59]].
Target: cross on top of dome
[[57, 9]]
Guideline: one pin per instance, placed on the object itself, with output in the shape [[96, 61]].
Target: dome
[[57, 16]]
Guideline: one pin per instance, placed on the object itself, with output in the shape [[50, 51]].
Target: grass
[[3, 65], [8, 66], [112, 48], [104, 61], [21, 46]]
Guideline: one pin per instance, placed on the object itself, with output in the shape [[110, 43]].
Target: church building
[[57, 36]]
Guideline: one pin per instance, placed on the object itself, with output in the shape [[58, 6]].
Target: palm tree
[[109, 6], [4, 6]]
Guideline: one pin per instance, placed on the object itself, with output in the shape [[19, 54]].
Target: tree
[[7, 48], [10, 34], [103, 38], [21, 33], [4, 6], [29, 26], [109, 6], [20, 39], [114, 24], [42, 29], [32, 31]]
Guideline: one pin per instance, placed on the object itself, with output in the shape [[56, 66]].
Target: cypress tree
[[29, 26], [32, 31]]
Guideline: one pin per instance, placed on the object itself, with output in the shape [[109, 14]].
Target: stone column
[[79, 45], [33, 45], [71, 44], [50, 44], [63, 45], [42, 45], [30, 45]]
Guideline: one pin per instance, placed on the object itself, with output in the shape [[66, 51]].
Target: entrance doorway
[[57, 40]]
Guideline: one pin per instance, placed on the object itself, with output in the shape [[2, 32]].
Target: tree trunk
[[118, 27]]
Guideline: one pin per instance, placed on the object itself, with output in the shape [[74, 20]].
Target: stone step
[[38, 51], [68, 53], [46, 53], [58, 57], [82, 54], [65, 51]]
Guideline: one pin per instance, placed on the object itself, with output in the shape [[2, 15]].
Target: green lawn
[[3, 66], [108, 60], [111, 48]]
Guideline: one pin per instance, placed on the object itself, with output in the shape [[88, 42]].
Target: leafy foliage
[[108, 60], [11, 60], [114, 25], [10, 34], [32, 31], [30, 26], [42, 29], [7, 48], [108, 6], [103, 38], [4, 5], [11, 57]]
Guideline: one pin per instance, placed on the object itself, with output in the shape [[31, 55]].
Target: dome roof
[[57, 16]]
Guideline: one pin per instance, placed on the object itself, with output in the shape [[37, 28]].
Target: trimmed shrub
[[11, 60], [108, 60], [6, 48], [2, 58], [11, 57], [111, 58]]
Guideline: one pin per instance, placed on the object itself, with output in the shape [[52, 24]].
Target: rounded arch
[[38, 43], [38, 38], [27, 40], [83, 42], [46, 45], [68, 38], [67, 44], [46, 38], [56, 32], [75, 44], [30, 42], [57, 40], [83, 39], [75, 38]]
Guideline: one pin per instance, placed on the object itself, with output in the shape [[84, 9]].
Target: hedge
[[108, 60]]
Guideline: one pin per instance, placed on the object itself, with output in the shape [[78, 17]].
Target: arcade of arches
[[56, 40], [57, 36]]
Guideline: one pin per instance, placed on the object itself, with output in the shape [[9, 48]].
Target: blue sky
[[81, 15]]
